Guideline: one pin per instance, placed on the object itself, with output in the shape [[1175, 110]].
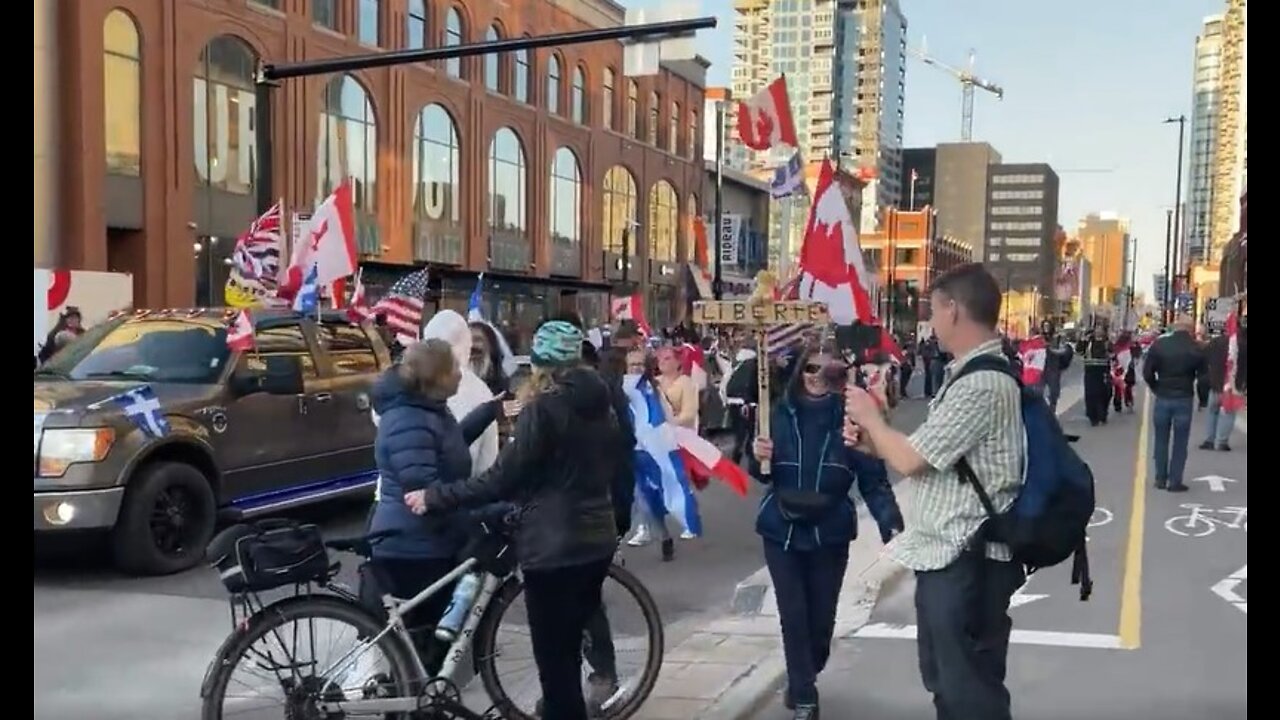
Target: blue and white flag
[[308, 297], [474, 305], [662, 481], [789, 178], [143, 409]]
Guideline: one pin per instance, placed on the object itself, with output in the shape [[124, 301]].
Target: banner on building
[[730, 232], [1216, 311], [1067, 282]]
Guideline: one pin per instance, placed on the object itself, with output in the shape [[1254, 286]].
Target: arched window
[[691, 209], [452, 38], [655, 113], [416, 25], [695, 135], [566, 212], [553, 84], [508, 183], [436, 162], [348, 141], [608, 99], [522, 76], [579, 96], [619, 210], [673, 128], [222, 117], [491, 60], [663, 223], [122, 93], [633, 109]]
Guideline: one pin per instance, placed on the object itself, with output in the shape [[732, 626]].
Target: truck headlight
[[60, 448]]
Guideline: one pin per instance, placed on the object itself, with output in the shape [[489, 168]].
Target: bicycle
[[404, 689], [1199, 523]]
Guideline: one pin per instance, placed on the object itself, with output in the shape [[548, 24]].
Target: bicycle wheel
[[516, 694], [278, 650]]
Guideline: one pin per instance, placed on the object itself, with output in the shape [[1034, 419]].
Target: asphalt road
[[1164, 635]]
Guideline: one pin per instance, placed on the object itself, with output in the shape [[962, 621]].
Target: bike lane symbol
[[1202, 521]]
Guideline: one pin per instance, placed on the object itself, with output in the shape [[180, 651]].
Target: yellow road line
[[1131, 589]]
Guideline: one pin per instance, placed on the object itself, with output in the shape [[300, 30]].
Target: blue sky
[[1086, 86]]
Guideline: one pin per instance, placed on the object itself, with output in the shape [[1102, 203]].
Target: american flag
[[784, 337], [403, 305], [257, 253]]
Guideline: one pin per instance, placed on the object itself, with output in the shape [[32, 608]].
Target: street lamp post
[[1166, 298], [1171, 271], [717, 282]]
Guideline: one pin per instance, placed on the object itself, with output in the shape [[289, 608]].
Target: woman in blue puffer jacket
[[808, 519], [419, 443]]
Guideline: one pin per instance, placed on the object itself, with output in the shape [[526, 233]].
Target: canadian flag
[[832, 269], [240, 333], [630, 307], [764, 120], [330, 246], [1232, 400], [1033, 352], [693, 363], [358, 309]]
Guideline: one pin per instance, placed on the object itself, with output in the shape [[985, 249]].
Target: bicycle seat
[[362, 546]]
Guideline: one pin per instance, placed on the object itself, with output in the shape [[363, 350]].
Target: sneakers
[[1206, 445], [686, 535], [640, 537], [806, 712]]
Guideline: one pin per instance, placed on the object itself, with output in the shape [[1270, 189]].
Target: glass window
[[171, 350], [349, 348], [225, 148], [348, 141], [633, 109], [608, 99], [579, 96], [284, 341], [508, 182], [453, 38], [491, 66], [691, 142], [566, 198], [367, 22], [663, 224], [673, 128], [691, 208], [553, 84], [416, 25], [620, 209], [122, 93], [325, 13], [522, 76], [273, 4], [655, 113], [436, 159]]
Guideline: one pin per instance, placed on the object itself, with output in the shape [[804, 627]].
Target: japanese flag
[[764, 120]]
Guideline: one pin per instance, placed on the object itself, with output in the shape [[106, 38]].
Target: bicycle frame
[[396, 610]]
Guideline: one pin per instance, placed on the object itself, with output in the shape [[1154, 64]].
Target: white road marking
[[1216, 483], [1101, 516], [1226, 589], [1021, 598], [1047, 638]]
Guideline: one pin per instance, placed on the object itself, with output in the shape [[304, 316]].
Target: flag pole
[[717, 284], [784, 261]]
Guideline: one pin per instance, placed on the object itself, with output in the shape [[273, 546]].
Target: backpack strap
[[981, 363]]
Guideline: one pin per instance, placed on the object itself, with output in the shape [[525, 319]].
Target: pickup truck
[[249, 433]]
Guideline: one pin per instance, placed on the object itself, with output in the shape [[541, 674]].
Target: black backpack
[[1047, 522]]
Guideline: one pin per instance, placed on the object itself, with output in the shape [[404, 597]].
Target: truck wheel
[[167, 519]]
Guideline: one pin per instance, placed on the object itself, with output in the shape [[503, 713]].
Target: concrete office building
[[953, 178], [1022, 222]]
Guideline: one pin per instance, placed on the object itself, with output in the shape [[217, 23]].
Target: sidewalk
[[733, 666]]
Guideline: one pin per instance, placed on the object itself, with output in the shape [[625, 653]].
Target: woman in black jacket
[[559, 467]]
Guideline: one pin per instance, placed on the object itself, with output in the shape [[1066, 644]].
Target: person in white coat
[[472, 392]]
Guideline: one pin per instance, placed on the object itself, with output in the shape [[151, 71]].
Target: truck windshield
[[160, 350]]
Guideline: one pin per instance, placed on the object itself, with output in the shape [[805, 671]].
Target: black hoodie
[[558, 467]]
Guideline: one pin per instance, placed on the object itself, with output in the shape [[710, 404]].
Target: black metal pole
[[893, 267], [264, 178], [1165, 297], [626, 258], [1176, 251], [1133, 278], [717, 283], [281, 71]]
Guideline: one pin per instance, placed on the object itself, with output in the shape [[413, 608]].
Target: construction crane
[[968, 81]]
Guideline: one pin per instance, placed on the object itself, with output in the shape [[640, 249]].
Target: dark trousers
[[1171, 417], [1097, 391], [807, 587], [404, 578], [560, 602], [740, 423], [1122, 396], [599, 650], [962, 616], [904, 379]]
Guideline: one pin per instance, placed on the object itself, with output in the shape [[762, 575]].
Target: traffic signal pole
[[269, 74]]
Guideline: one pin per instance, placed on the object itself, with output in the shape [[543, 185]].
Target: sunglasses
[[812, 369]]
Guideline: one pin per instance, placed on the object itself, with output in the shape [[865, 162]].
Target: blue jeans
[[1219, 422], [1172, 416]]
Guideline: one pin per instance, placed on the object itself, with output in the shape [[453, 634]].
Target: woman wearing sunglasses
[[808, 519]]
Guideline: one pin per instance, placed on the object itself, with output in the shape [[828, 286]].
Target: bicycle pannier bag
[[268, 554]]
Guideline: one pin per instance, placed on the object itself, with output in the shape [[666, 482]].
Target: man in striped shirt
[[963, 583]]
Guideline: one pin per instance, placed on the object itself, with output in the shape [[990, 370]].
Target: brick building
[[530, 166], [907, 254]]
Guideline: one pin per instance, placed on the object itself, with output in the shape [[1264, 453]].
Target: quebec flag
[[143, 409], [661, 479]]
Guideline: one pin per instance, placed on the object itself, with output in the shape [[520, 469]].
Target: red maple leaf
[[317, 233], [823, 254], [764, 129]]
